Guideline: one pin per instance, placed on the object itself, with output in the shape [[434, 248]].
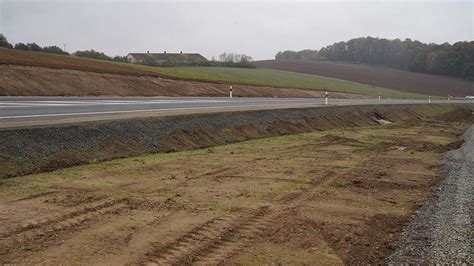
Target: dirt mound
[[377, 76], [29, 81]]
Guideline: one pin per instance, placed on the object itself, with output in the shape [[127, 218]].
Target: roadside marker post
[[326, 98], [380, 96], [230, 92]]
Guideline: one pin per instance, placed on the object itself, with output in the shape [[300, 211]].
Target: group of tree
[[440, 59], [233, 60], [31, 46], [4, 42], [99, 55]]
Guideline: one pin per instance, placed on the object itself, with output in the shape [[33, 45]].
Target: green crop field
[[277, 78]]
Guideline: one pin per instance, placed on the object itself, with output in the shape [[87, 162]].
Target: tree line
[[99, 55], [233, 60], [440, 59], [225, 59], [33, 47]]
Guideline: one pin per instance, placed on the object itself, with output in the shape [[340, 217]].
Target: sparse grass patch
[[139, 160], [339, 183], [130, 203], [170, 176], [215, 165]]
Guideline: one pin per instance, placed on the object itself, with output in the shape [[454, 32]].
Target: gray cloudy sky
[[259, 29]]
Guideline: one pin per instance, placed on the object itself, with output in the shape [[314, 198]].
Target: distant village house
[[165, 59]]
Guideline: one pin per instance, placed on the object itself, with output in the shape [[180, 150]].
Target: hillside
[[453, 60], [276, 78], [377, 76], [171, 81], [39, 81]]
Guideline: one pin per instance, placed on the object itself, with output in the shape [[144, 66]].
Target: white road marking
[[235, 104], [90, 103], [148, 110]]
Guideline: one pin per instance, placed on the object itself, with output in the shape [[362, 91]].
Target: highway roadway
[[14, 111]]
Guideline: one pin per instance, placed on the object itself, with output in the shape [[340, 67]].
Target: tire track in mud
[[221, 238], [45, 221], [36, 234], [237, 241], [213, 241]]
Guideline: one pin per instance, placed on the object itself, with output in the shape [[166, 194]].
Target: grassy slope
[[278, 78]]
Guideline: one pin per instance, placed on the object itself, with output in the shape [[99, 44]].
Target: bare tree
[[234, 58]]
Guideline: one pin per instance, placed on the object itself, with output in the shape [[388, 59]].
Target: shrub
[[54, 50], [91, 54], [118, 58], [148, 61], [4, 42], [339, 183], [22, 46], [34, 47]]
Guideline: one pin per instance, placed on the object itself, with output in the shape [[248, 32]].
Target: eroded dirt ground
[[328, 197]]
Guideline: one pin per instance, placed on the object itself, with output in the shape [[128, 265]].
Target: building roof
[[169, 56]]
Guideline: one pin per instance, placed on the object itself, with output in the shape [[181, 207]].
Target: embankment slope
[[28, 150], [37, 81]]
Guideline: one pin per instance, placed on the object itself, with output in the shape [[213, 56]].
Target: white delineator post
[[380, 96], [326, 98], [230, 92]]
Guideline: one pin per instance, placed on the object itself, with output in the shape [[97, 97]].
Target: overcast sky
[[259, 29]]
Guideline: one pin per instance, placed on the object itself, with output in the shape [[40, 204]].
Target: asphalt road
[[37, 110]]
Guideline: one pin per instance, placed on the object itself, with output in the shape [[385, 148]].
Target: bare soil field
[[377, 76], [37, 81], [327, 197]]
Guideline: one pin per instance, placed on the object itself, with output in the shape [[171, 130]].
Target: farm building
[[165, 59]]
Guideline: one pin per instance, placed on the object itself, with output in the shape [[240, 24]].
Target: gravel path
[[442, 231]]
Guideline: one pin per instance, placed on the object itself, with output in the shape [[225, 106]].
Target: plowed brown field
[[377, 76]]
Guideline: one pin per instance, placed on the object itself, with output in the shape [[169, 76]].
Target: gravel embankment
[[442, 231]]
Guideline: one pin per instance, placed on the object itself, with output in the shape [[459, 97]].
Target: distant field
[[377, 76], [270, 77]]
